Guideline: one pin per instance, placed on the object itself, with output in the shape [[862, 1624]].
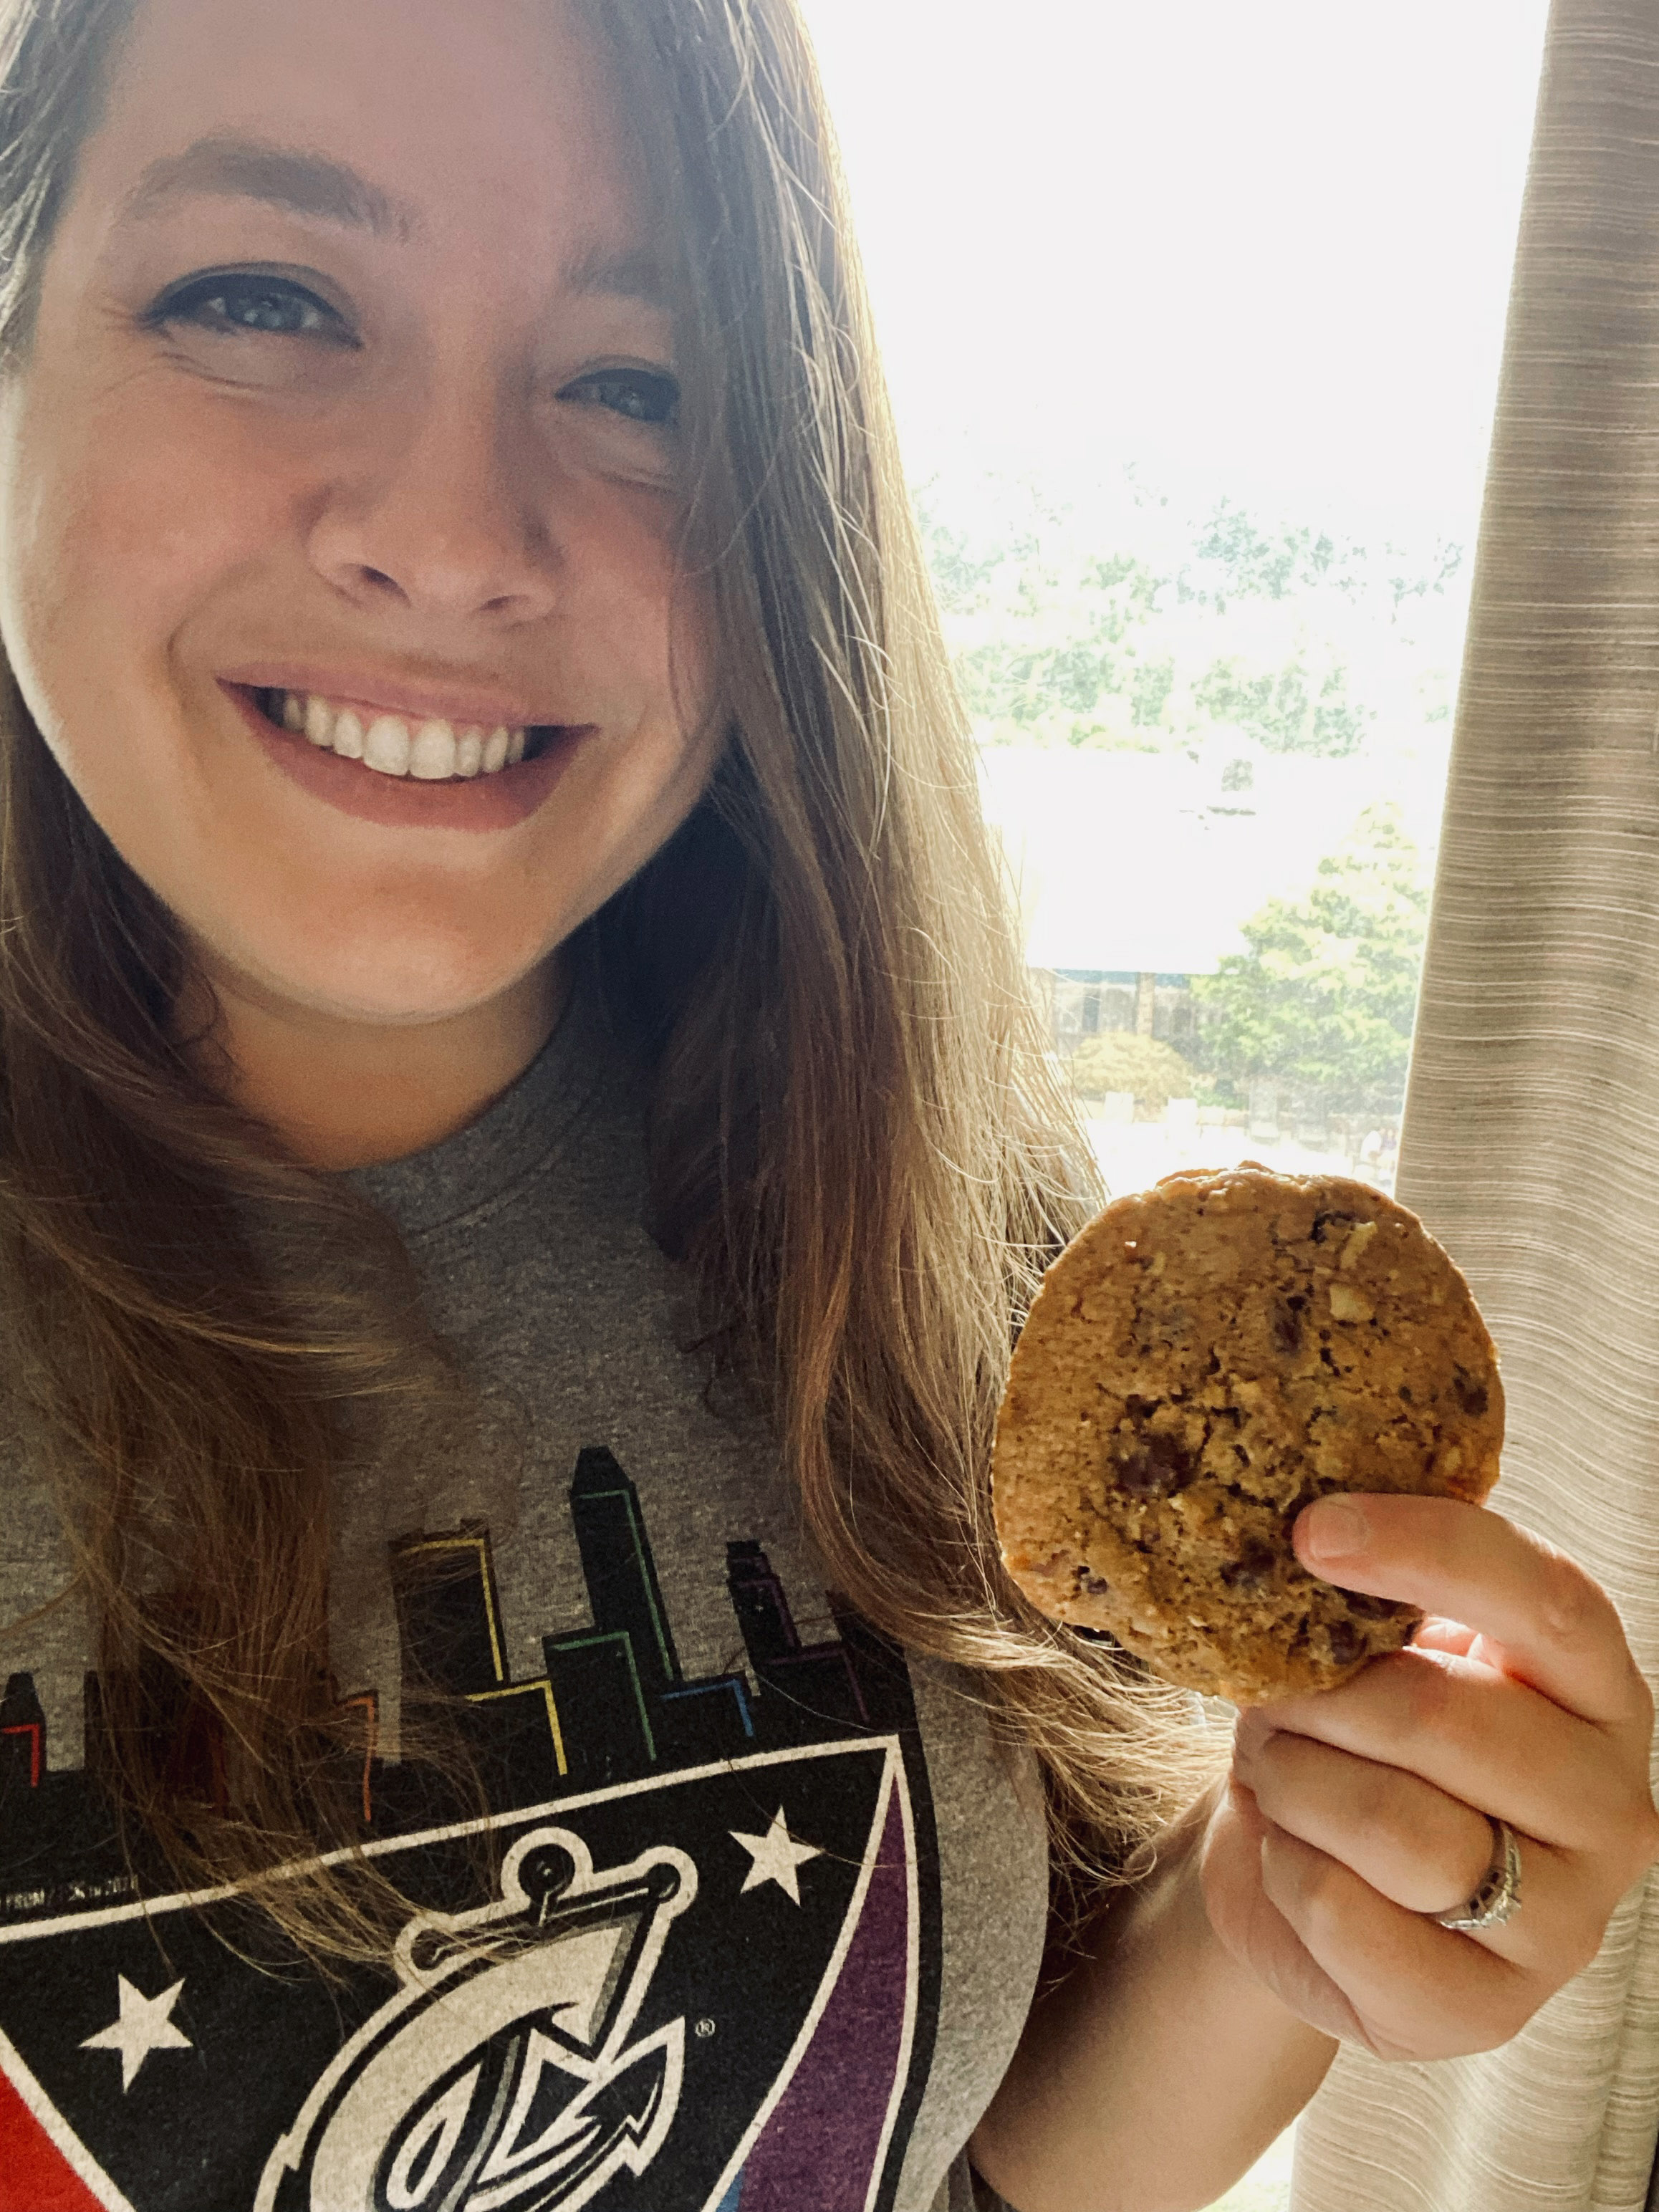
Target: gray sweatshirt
[[764, 1907]]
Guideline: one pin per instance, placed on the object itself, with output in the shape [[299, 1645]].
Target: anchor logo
[[500, 2077]]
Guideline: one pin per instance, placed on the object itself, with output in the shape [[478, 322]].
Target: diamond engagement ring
[[1498, 1897]]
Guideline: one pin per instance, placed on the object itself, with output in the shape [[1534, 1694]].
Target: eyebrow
[[637, 274], [312, 185], [247, 168]]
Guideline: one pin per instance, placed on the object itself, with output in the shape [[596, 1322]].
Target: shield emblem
[[730, 2017]]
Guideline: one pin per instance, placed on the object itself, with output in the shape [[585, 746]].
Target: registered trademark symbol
[[705, 2029]]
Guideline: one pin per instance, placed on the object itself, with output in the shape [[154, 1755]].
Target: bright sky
[[1263, 243]]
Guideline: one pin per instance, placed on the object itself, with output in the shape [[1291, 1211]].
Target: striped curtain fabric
[[1532, 1145]]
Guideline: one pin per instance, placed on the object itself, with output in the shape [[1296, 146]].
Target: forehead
[[498, 116]]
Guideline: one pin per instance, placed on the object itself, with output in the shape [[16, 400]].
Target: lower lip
[[404, 802]]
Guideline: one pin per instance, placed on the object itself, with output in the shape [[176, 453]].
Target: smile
[[429, 750], [425, 770]]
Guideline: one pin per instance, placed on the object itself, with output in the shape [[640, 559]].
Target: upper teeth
[[431, 750]]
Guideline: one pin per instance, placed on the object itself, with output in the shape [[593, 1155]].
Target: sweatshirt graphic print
[[697, 1970]]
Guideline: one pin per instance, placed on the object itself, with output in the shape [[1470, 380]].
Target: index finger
[[1547, 1622]]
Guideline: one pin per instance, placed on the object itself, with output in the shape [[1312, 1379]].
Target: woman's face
[[342, 465]]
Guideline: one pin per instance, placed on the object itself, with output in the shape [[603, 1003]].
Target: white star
[[143, 2026], [775, 1857]]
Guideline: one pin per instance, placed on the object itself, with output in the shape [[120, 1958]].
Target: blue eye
[[249, 303], [638, 395]]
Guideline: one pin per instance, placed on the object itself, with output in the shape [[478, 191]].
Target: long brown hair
[[855, 1142]]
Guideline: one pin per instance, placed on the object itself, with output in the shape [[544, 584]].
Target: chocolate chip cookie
[[1204, 1361]]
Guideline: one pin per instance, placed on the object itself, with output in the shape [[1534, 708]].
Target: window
[[1192, 318]]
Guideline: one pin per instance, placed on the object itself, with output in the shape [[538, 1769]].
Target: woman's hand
[[1296, 1907], [1352, 1815]]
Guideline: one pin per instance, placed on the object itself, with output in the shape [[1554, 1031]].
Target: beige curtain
[[1532, 1143]]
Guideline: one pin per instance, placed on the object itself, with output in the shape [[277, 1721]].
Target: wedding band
[[1498, 1898]]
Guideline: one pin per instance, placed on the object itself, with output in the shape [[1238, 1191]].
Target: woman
[[481, 779]]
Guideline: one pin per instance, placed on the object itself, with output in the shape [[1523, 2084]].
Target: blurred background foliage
[[1116, 618], [1194, 623], [1149, 1071], [1325, 995]]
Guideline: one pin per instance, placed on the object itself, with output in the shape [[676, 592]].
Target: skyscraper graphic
[[623, 1675], [454, 1660], [448, 1618], [22, 1738], [604, 1705], [819, 1682], [618, 1566], [61, 1846]]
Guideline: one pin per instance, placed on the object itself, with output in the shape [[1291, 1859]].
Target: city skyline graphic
[[612, 1704]]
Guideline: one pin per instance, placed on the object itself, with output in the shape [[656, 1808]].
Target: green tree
[[1258, 566], [1325, 996], [1448, 560], [1239, 560], [962, 572], [1064, 635], [1152, 1071], [1282, 711], [1063, 640]]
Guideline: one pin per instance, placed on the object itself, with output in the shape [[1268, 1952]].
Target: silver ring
[[1498, 1897]]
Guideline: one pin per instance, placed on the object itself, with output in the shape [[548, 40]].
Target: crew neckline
[[520, 1129]]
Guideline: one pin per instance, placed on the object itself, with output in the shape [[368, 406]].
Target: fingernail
[[1334, 1529]]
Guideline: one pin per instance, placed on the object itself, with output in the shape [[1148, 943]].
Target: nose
[[442, 511]]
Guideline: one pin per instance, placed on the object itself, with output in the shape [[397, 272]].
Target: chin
[[403, 987]]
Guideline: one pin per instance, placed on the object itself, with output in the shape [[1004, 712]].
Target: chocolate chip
[[1325, 1223], [1252, 1569], [1345, 1645], [1470, 1395], [1157, 1467], [1092, 1584], [1287, 1330], [1372, 1608], [1405, 1391]]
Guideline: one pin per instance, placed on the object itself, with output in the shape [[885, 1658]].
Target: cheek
[[646, 636], [627, 614], [110, 538]]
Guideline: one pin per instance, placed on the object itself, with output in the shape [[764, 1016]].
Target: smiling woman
[[523, 1148], [386, 450], [413, 532]]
